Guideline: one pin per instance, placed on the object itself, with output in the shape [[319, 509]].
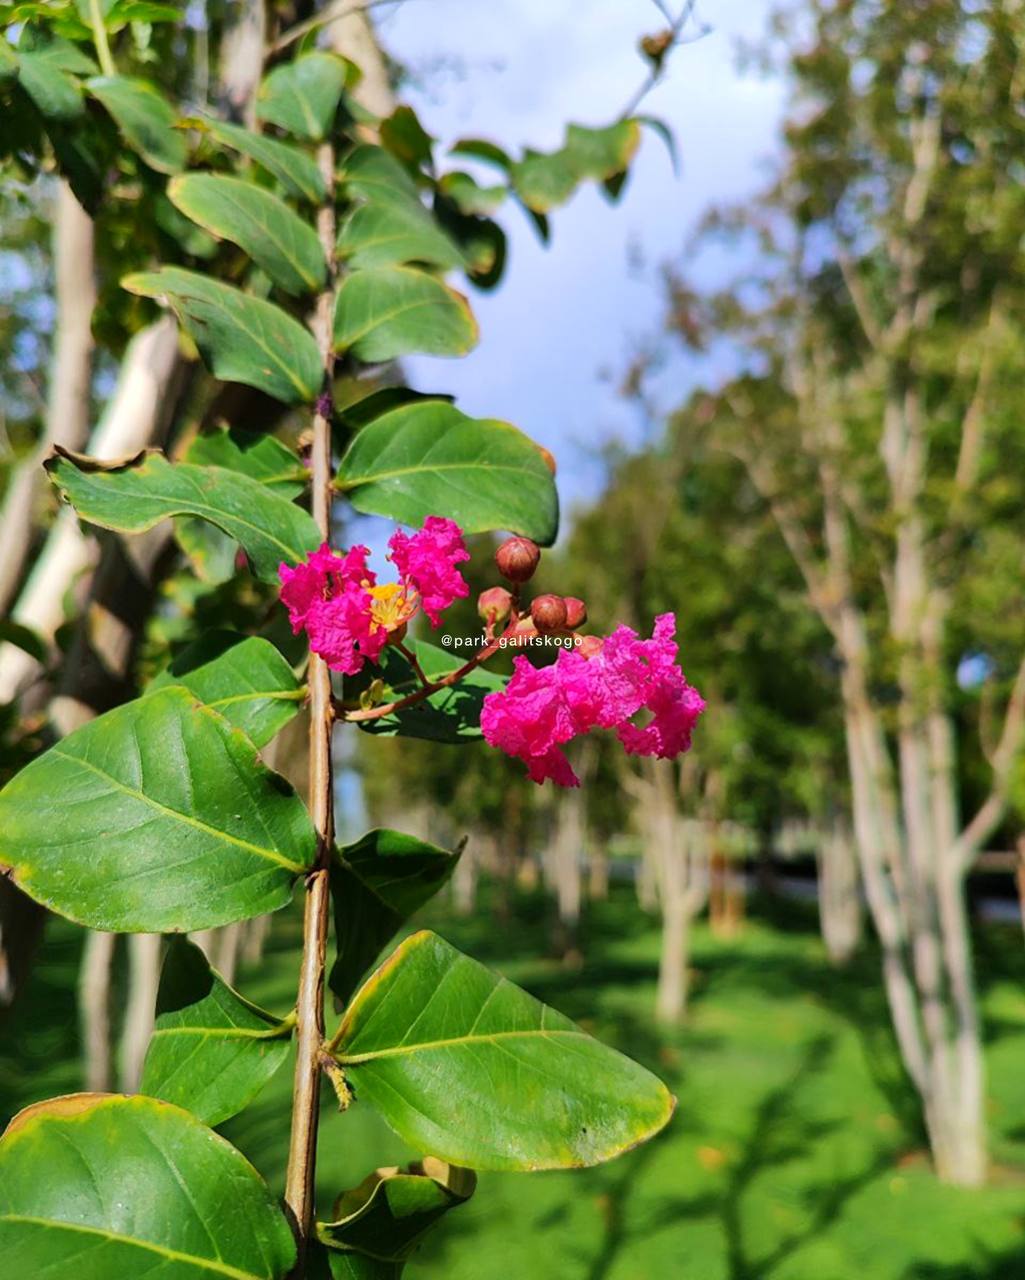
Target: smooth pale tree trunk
[[94, 1006], [679, 851], [464, 879], [839, 893], [70, 383], [143, 979], [597, 871]]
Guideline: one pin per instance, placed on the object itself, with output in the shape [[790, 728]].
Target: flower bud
[[517, 558], [576, 612], [548, 613], [494, 605], [589, 646]]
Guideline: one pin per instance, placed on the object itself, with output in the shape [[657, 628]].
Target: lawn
[[794, 1153]]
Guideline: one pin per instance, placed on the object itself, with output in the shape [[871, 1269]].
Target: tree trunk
[[143, 979], [839, 893], [94, 1001]]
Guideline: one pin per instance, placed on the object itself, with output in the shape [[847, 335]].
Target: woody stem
[[302, 1153]]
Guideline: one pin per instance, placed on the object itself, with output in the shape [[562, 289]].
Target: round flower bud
[[517, 558], [494, 605], [589, 646], [548, 613], [576, 612]]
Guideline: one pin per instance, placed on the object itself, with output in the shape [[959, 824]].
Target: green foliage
[[103, 1185], [426, 457], [242, 338], [135, 495], [154, 817], [145, 118], [382, 313], [389, 1213], [158, 816], [211, 1051], [245, 679], [461, 1062], [377, 884], [276, 239], [450, 715], [302, 97]]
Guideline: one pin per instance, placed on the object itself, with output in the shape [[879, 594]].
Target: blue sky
[[517, 70]]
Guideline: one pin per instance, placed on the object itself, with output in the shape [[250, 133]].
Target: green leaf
[[292, 167], [405, 137], [302, 97], [261, 457], [241, 338], [469, 196], [464, 1064], [133, 496], [428, 457], [451, 715], [46, 71], [145, 118], [385, 312], [100, 1185], [482, 149], [389, 1213], [371, 173], [155, 817], [258, 222], [377, 884], [246, 680], [544, 181], [601, 153], [211, 1051], [386, 232]]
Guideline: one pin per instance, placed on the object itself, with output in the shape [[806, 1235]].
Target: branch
[[859, 297], [660, 64], [1012, 738], [302, 1152]]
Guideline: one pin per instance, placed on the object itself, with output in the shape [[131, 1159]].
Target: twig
[[414, 662], [299, 1181], [340, 9], [659, 66], [431, 686]]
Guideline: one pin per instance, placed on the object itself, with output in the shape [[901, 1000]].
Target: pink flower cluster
[[541, 709], [348, 618]]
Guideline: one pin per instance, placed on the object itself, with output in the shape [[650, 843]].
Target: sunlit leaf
[[155, 817], [386, 312], [276, 238], [101, 1185], [245, 679], [211, 1051], [388, 1215], [241, 338], [464, 1064], [428, 457], [132, 496]]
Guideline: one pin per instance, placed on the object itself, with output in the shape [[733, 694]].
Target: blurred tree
[[878, 417]]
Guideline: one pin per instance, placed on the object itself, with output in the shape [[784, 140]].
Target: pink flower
[[427, 561], [541, 709], [348, 618]]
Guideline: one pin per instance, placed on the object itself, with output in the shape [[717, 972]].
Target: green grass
[[795, 1152]]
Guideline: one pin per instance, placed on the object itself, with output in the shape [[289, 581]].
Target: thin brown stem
[[414, 662], [302, 1152], [363, 714]]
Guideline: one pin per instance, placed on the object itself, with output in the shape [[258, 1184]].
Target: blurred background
[[781, 376]]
